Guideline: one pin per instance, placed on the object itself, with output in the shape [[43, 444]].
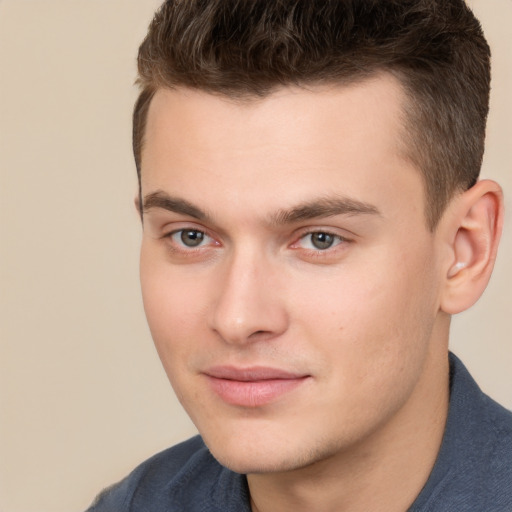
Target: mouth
[[252, 387]]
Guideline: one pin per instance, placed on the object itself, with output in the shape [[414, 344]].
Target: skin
[[364, 320]]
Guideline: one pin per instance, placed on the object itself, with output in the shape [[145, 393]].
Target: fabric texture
[[472, 473]]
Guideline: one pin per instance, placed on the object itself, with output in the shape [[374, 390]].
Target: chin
[[267, 457], [249, 464]]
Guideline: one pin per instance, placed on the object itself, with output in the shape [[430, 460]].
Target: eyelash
[[178, 246], [181, 246], [337, 240]]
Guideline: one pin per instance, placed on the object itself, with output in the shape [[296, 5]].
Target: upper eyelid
[[176, 231], [340, 238], [186, 226], [161, 221], [325, 231], [346, 235]]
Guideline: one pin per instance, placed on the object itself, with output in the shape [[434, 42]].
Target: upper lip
[[253, 373]]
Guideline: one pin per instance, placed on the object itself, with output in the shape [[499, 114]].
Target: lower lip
[[253, 393]]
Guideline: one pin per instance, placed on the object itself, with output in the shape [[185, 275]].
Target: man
[[312, 217]]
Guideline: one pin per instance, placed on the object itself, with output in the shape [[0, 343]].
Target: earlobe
[[476, 228]]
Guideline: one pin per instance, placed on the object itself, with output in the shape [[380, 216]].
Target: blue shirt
[[472, 473]]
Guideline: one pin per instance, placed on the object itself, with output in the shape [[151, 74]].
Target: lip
[[254, 386]]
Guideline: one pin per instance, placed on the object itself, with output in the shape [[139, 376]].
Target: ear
[[473, 230]]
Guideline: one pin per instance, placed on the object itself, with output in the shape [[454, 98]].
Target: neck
[[385, 471]]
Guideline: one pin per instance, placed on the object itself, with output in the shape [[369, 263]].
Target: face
[[289, 279]]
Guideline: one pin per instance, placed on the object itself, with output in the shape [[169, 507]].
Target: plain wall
[[83, 398]]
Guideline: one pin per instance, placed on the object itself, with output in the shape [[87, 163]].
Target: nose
[[250, 304]]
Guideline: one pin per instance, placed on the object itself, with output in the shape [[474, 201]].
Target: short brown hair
[[248, 48]]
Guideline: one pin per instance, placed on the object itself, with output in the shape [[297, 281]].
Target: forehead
[[378, 100], [294, 142]]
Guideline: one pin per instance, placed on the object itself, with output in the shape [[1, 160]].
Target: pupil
[[192, 238], [322, 240]]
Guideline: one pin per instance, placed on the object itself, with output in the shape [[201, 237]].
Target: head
[[246, 50], [307, 187]]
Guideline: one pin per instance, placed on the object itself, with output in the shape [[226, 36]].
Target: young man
[[312, 218]]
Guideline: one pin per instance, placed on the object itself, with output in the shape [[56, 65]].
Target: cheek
[[173, 302], [371, 340], [373, 315], [173, 305]]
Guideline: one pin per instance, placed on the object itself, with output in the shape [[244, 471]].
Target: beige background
[[82, 396]]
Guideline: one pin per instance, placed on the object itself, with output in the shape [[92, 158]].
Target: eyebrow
[[324, 207], [317, 208], [160, 199]]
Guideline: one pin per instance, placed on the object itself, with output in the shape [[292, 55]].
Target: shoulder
[[482, 464], [482, 423], [473, 471], [185, 472], [496, 443]]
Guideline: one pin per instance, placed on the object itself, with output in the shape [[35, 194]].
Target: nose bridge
[[248, 305]]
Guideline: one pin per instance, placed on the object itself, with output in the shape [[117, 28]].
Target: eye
[[319, 241], [189, 237]]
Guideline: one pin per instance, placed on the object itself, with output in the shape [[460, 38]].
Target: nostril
[[259, 335]]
